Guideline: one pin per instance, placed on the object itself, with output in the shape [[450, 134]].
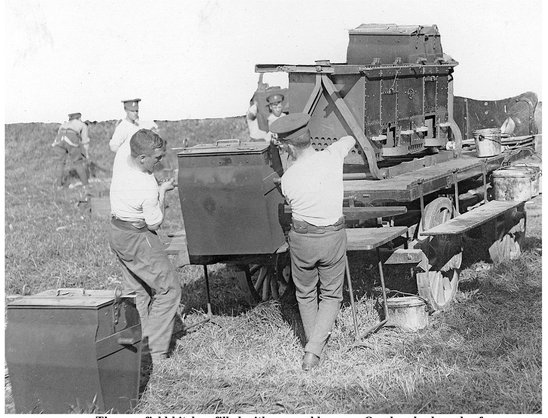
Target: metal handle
[[127, 340], [227, 142], [69, 290]]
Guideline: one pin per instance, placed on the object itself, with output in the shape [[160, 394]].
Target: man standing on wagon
[[313, 187], [275, 104], [137, 208]]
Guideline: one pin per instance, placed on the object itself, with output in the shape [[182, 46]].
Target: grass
[[482, 355]]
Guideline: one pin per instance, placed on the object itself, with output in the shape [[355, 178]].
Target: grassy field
[[482, 355]]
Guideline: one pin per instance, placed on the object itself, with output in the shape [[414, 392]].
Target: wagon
[[413, 183]]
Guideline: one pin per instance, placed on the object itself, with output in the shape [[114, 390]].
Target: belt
[[303, 227], [126, 225]]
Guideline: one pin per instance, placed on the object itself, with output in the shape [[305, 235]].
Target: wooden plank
[[406, 188], [371, 238], [472, 219]]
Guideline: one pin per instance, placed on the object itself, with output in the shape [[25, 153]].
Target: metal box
[[394, 95], [393, 44], [73, 350], [229, 199]]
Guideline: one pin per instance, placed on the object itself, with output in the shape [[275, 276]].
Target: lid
[[65, 298], [225, 147], [516, 171], [393, 29]]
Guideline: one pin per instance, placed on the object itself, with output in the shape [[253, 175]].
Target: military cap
[[290, 126], [74, 116], [131, 104], [275, 98]]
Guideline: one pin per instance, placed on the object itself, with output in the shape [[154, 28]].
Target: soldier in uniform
[[137, 208], [275, 109], [119, 142], [313, 187], [72, 141], [126, 127]]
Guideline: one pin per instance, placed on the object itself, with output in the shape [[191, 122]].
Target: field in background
[[483, 355]]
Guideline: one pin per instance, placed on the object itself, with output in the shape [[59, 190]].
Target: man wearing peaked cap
[[131, 104], [275, 106], [292, 126], [274, 103], [313, 187], [125, 130], [72, 142], [128, 126]]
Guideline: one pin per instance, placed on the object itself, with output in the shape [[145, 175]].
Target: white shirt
[[123, 133], [313, 185], [272, 118], [134, 195], [121, 138]]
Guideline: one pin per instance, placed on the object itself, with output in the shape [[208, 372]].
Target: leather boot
[[310, 360]]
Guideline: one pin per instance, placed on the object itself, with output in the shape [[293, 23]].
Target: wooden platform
[[407, 187], [359, 239], [371, 238], [472, 219]]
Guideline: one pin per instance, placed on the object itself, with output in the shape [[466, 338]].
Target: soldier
[[137, 208], [313, 187], [275, 109], [128, 126], [72, 141]]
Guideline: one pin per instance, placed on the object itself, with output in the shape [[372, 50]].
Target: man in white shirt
[[313, 187], [128, 126], [137, 207]]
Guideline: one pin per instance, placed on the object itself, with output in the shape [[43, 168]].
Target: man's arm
[[164, 187], [117, 138], [85, 139], [343, 145]]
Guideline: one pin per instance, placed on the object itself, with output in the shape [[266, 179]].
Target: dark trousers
[[318, 257], [77, 159], [147, 271]]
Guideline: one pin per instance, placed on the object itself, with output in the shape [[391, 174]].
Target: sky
[[196, 59]]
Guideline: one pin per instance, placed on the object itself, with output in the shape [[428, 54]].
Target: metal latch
[[116, 307]]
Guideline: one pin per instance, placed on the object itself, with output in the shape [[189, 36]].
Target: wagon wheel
[[506, 235], [269, 281], [444, 252]]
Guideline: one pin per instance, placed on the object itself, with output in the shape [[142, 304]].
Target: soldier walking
[[72, 142]]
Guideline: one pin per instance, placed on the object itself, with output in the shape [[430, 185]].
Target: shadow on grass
[[228, 297]]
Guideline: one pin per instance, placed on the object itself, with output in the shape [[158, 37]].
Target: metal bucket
[[407, 312], [516, 183], [488, 142]]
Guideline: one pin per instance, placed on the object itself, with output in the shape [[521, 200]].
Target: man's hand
[[273, 138], [167, 185], [252, 111]]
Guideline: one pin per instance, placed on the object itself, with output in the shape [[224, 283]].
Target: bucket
[[488, 142], [407, 312], [517, 183]]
